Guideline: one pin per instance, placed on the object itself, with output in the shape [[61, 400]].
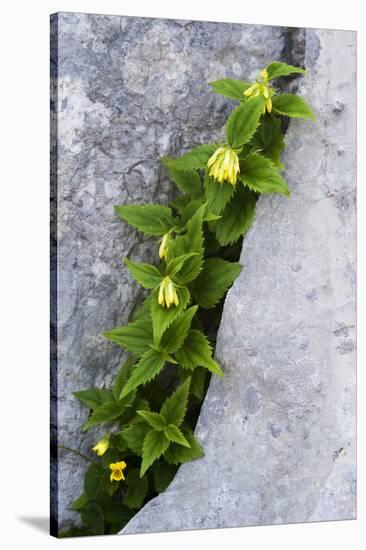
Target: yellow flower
[[117, 468], [167, 293], [224, 165], [164, 245], [102, 445], [262, 88]]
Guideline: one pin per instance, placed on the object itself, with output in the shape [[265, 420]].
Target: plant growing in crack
[[152, 407]]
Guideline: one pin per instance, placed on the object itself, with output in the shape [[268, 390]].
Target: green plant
[[152, 407]]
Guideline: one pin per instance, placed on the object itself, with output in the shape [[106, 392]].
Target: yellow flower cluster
[[117, 473], [164, 245], [102, 445], [167, 293], [224, 165], [262, 88]]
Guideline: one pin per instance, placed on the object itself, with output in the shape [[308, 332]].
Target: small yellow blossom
[[102, 445], [117, 468], [262, 88], [224, 165], [167, 293], [164, 245]]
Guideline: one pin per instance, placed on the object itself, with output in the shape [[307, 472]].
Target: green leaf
[[137, 489], [192, 241], [243, 121], [196, 352], [292, 106], [230, 87], [107, 412], [268, 139], [94, 397], [277, 68], [154, 419], [151, 219], [135, 337], [174, 434], [217, 194], [194, 159], [174, 408], [163, 475], [134, 436], [146, 369], [92, 517], [155, 444], [176, 264], [162, 317], [146, 275], [188, 181], [79, 502], [260, 175], [122, 377], [117, 515], [177, 454], [215, 278], [173, 338], [93, 481], [198, 381], [237, 217]]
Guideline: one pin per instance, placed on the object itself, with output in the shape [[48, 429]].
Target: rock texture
[[124, 91], [279, 429]]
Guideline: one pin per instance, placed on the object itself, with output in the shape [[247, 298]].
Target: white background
[[24, 185]]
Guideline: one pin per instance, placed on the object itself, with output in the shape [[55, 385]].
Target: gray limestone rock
[[124, 92], [279, 429]]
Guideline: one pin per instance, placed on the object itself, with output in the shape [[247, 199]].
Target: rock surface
[[279, 429], [124, 91]]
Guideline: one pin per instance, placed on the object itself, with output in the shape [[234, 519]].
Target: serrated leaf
[[230, 87], [154, 419], [135, 337], [174, 408], [177, 454], [292, 106], [237, 217], [92, 517], [155, 444], [192, 241], [198, 381], [94, 397], [174, 434], [188, 181], [277, 69], [134, 436], [260, 175], [151, 219], [243, 121], [196, 352], [268, 139], [146, 275], [107, 412], [163, 474], [137, 489], [122, 377], [146, 369], [217, 194], [215, 278], [176, 264], [162, 317], [175, 335], [193, 160]]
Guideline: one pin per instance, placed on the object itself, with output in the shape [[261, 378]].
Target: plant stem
[[75, 452]]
